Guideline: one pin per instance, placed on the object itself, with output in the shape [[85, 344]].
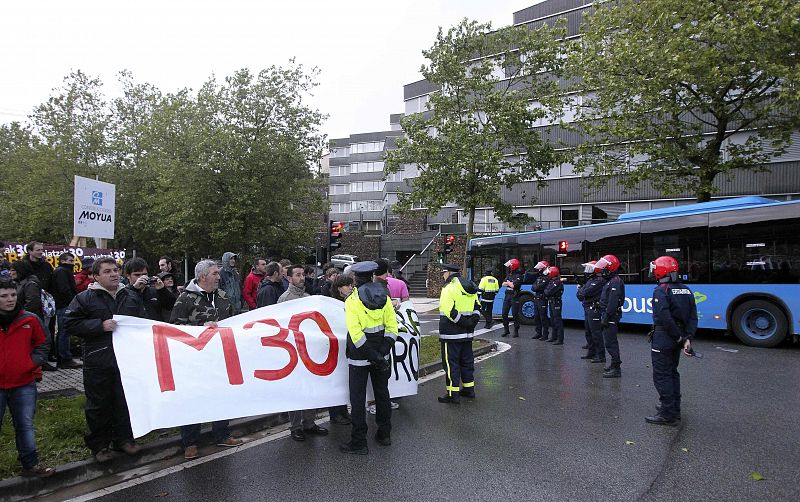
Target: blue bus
[[741, 257]]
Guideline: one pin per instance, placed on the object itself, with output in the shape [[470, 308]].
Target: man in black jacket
[[144, 296], [90, 316], [271, 287], [34, 254], [63, 292]]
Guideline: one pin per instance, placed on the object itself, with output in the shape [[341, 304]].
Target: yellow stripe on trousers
[[447, 363]]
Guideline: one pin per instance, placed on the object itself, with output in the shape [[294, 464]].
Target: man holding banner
[[203, 304], [372, 331]]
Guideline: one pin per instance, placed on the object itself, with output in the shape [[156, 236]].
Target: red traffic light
[[336, 226], [562, 246], [450, 239]]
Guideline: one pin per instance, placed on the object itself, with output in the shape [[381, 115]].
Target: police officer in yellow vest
[[371, 333], [488, 288], [459, 313]]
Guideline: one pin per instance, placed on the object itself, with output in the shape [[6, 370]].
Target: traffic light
[[562, 246], [335, 234], [448, 243]]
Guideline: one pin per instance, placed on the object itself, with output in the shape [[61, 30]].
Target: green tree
[[477, 136], [679, 92]]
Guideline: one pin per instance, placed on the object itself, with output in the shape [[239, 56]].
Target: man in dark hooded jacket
[[271, 288], [231, 282]]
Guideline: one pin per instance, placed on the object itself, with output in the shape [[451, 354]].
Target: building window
[[417, 105], [340, 189], [372, 226], [367, 167], [340, 151], [366, 205], [340, 170], [340, 207], [372, 146], [366, 186]]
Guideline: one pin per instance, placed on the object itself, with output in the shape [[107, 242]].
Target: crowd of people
[[44, 310]]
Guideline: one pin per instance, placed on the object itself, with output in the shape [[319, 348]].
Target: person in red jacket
[[84, 277], [250, 290], [23, 350]]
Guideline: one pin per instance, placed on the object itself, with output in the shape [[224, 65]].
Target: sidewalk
[[55, 383], [423, 305]]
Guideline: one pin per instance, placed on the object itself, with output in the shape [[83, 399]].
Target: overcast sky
[[366, 50]]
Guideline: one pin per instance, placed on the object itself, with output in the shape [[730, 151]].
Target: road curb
[[73, 473]]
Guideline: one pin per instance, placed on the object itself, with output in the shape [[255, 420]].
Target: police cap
[[449, 267], [364, 268]]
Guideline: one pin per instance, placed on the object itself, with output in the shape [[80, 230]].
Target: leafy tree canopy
[[679, 92]]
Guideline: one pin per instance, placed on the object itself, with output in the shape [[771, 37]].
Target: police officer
[[513, 285], [553, 293], [611, 301], [488, 288], [674, 325], [541, 321], [459, 313], [589, 295], [371, 333]]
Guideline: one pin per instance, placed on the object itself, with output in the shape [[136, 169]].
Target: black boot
[[588, 356], [661, 420], [506, 333], [612, 371], [537, 336], [516, 333], [449, 399]]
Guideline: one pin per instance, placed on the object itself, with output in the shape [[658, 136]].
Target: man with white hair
[[202, 303]]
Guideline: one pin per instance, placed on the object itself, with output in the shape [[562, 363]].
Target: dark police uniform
[[541, 321], [589, 296], [553, 293], [459, 313], [371, 333], [674, 321], [511, 301], [611, 300], [488, 288]]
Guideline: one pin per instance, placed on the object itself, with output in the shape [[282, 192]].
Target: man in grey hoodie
[[302, 422], [231, 282]]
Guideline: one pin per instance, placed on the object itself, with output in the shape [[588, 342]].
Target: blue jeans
[[22, 403], [191, 433], [62, 339]]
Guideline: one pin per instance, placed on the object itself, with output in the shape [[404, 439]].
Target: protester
[[331, 274], [64, 290], [169, 284], [144, 296], [84, 277], [90, 316], [167, 264], [203, 303], [340, 289], [284, 273], [231, 282], [312, 287], [251, 282], [34, 255], [271, 288], [397, 273], [29, 295], [301, 422], [24, 349]]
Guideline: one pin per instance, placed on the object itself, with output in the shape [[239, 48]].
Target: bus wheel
[[759, 323], [527, 311]]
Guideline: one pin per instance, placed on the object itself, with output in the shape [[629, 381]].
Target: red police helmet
[[662, 266], [513, 264], [609, 262], [541, 265], [589, 267], [552, 272]]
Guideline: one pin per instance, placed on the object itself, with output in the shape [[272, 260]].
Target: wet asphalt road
[[546, 426]]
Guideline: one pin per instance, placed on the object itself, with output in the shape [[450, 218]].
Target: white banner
[[93, 213], [279, 358]]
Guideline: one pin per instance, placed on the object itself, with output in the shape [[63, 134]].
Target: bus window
[[529, 250], [755, 251], [621, 240], [685, 238], [564, 249]]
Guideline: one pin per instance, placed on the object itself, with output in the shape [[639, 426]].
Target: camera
[[152, 280]]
